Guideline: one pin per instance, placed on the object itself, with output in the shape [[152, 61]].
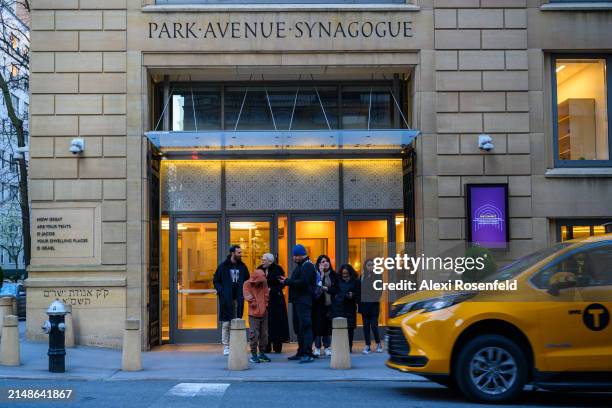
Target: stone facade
[[478, 66]]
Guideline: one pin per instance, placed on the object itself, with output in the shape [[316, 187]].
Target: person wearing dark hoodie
[[257, 295], [346, 300], [228, 280], [301, 293]]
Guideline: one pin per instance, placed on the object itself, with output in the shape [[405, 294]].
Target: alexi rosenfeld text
[[413, 265]]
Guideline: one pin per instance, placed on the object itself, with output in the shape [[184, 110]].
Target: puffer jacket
[[256, 293]]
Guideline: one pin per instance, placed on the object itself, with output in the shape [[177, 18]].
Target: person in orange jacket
[[257, 294]]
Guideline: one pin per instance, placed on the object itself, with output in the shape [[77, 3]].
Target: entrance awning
[[283, 141]]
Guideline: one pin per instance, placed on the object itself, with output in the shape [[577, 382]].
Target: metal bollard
[[5, 309], [131, 355], [341, 357], [69, 333], [9, 347], [238, 358], [55, 328]]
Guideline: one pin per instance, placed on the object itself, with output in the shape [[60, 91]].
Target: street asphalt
[[339, 394]]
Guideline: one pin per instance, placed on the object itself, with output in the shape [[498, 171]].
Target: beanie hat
[[299, 250]]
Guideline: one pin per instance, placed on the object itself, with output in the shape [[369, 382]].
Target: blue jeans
[[325, 339]]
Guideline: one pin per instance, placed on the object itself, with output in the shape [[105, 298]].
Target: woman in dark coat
[[278, 323], [370, 306], [346, 300], [322, 305]]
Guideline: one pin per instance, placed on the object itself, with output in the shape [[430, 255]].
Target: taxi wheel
[[491, 369]]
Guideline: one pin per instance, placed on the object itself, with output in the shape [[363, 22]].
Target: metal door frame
[[186, 335]]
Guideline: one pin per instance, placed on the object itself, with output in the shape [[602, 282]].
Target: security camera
[[77, 146], [485, 143]]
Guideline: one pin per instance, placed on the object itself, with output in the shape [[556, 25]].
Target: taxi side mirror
[[561, 280]]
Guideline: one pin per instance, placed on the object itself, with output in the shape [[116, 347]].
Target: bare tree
[[14, 75]]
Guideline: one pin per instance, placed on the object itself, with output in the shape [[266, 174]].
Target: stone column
[[341, 357], [69, 333], [5, 308], [9, 346], [131, 359], [238, 358]]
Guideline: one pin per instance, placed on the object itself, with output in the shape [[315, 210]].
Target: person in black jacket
[[301, 292], [346, 300], [370, 306], [278, 323], [228, 280], [327, 287]]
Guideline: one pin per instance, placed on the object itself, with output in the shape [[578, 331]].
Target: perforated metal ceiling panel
[[373, 184], [191, 185], [282, 185]]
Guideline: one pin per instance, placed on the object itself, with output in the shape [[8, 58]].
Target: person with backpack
[[256, 293], [327, 287]]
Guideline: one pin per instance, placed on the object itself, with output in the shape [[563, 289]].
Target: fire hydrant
[[55, 328]]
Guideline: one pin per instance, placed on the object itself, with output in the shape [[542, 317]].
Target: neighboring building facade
[[266, 124], [15, 38]]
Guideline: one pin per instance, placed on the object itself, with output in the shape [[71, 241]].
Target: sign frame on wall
[[493, 220]]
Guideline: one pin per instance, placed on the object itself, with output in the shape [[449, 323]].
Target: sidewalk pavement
[[197, 362]]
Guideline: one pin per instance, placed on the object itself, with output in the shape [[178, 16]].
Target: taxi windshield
[[512, 269]]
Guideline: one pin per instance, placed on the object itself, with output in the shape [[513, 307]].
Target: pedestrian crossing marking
[[197, 390]]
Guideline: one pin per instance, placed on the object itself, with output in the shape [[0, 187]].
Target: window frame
[[278, 2], [578, 222], [558, 163]]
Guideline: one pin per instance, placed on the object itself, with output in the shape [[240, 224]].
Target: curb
[[214, 379]]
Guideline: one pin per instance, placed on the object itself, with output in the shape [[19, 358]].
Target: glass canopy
[[384, 139]]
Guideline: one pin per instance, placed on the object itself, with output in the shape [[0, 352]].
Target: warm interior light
[[165, 224], [560, 68], [240, 225]]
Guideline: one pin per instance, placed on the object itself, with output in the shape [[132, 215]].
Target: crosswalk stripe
[[197, 389], [192, 395]]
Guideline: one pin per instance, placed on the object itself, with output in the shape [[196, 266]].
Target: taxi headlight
[[431, 305]]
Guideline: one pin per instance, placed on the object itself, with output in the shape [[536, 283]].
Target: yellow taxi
[[554, 331]]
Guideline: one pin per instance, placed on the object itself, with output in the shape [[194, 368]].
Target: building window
[[576, 229], [286, 106], [14, 42], [279, 1], [582, 109]]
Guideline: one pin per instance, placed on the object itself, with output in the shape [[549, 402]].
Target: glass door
[[368, 238], [195, 248], [254, 235], [318, 235]]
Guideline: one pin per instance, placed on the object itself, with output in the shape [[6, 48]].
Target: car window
[[588, 266], [8, 289]]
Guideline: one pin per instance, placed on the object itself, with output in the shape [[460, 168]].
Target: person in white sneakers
[[327, 287], [228, 280], [369, 307]]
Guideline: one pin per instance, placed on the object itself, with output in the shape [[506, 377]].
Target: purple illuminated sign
[[487, 206]]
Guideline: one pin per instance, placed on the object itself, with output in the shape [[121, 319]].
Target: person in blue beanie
[[302, 284]]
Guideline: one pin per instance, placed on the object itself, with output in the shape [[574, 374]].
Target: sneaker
[[226, 350], [328, 352], [306, 359], [254, 358], [263, 358], [294, 357], [317, 352], [366, 350], [379, 348]]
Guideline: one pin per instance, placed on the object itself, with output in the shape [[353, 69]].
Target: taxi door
[[575, 330]]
